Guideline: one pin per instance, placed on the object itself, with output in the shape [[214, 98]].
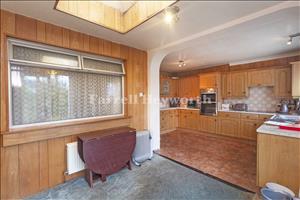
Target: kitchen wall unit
[[283, 82], [258, 78], [296, 79], [208, 81], [278, 160], [172, 85], [234, 85], [188, 87], [35, 160]]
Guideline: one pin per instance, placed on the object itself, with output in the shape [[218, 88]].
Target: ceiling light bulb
[[169, 17], [289, 42]]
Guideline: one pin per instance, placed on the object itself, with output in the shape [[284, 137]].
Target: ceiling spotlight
[[181, 63], [289, 42], [171, 14]]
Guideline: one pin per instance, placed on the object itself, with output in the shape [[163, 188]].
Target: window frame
[[80, 68]]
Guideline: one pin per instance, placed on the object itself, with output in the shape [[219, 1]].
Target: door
[[207, 81], [283, 82], [208, 124], [228, 126], [238, 84]]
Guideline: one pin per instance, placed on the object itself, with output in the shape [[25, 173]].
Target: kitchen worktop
[[249, 112], [180, 108], [275, 130]]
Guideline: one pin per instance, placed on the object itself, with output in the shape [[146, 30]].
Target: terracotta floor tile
[[230, 159]]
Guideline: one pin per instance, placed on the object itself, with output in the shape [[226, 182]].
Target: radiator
[[74, 162], [142, 149]]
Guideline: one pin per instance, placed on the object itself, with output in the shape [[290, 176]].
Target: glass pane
[[45, 95], [42, 56], [102, 65]]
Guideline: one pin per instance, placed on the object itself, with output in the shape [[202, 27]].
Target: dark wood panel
[[76, 40], [40, 31], [44, 164], [54, 35]]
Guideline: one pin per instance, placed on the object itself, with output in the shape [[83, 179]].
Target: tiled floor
[[232, 160]]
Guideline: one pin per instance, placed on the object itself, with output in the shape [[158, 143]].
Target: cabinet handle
[[244, 92], [289, 92], [254, 124]]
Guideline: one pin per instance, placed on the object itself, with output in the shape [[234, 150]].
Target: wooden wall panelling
[[40, 31], [54, 35], [25, 27], [28, 168], [66, 38], [107, 48], [56, 152], [44, 165], [76, 40], [86, 43], [94, 45], [10, 172], [115, 50], [7, 27]]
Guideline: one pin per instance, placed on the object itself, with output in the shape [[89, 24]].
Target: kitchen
[[239, 100]]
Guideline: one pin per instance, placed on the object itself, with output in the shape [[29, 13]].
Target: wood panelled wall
[[32, 167]]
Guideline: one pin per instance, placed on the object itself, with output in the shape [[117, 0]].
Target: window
[[50, 85]]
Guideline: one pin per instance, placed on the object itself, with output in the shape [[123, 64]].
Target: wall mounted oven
[[208, 103]]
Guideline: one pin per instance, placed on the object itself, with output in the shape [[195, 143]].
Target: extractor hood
[[296, 79]]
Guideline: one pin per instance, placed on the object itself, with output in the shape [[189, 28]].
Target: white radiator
[[74, 162]]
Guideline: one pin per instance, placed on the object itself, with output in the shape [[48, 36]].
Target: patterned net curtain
[[45, 95]]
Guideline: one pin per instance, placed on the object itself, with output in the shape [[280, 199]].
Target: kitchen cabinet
[[188, 87], [283, 83], [248, 128], [225, 85], [228, 126], [238, 84], [189, 119], [257, 78], [234, 85], [208, 81], [208, 124], [171, 84], [168, 120], [278, 160]]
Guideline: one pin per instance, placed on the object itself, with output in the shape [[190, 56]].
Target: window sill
[[45, 132]]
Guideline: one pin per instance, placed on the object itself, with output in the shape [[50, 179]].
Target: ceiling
[[122, 6], [261, 37]]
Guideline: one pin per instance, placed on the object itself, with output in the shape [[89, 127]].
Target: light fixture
[[171, 14], [181, 63], [289, 42]]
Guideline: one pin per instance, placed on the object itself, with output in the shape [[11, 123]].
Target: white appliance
[[142, 151], [74, 162]]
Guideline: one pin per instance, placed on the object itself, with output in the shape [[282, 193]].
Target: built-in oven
[[208, 103]]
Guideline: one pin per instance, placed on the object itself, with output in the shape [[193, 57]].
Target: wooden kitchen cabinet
[[248, 128], [172, 85], [208, 124], [278, 160], [257, 78], [228, 126], [188, 87], [238, 84], [168, 120], [189, 119], [208, 81], [283, 82], [234, 85]]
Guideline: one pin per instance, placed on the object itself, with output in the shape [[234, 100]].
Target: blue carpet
[[159, 178]]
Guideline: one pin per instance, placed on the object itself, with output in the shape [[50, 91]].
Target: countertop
[[249, 112], [180, 108], [275, 130]]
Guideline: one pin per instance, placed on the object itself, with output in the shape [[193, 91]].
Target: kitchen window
[[51, 85]]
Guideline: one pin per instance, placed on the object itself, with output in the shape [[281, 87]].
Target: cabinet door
[[207, 81], [163, 120], [248, 129], [228, 126], [188, 87], [283, 82], [225, 85], [238, 84], [208, 124], [261, 78], [182, 119]]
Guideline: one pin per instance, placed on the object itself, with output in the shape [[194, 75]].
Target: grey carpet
[[159, 178]]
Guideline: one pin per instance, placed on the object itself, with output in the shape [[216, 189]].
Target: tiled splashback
[[259, 99]]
